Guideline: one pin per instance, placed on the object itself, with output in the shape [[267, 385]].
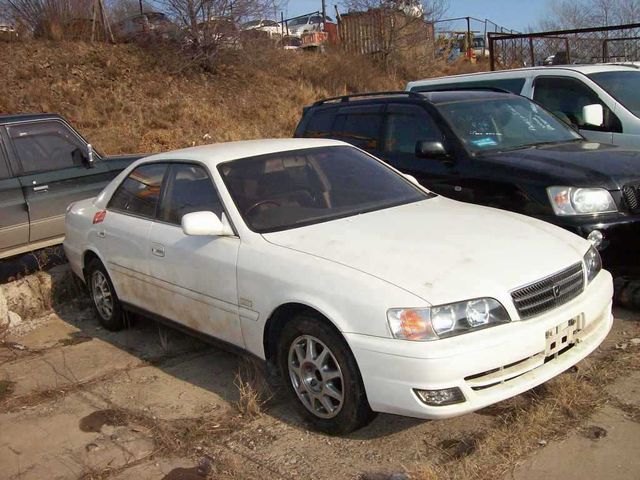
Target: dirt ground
[[77, 401]]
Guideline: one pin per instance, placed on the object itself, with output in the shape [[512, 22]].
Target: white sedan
[[367, 292]]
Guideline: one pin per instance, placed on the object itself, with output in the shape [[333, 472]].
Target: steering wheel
[[261, 203]]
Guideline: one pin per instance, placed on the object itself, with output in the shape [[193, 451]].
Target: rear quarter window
[[513, 85], [319, 125]]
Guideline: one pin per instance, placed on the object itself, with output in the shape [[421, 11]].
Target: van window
[[406, 126], [623, 86], [510, 84], [359, 126], [565, 97]]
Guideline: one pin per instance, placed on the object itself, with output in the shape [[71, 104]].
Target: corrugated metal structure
[[381, 31]]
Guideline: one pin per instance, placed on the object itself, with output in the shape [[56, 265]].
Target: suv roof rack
[[346, 98]]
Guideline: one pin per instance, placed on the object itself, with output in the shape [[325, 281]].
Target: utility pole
[[324, 15], [141, 12]]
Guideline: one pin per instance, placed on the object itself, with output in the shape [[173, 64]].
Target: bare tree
[[430, 9], [566, 14], [33, 13]]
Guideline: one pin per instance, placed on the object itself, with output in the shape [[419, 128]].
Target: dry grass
[[128, 98], [253, 388], [545, 413]]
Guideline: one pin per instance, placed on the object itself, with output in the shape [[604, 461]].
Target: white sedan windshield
[[295, 188]]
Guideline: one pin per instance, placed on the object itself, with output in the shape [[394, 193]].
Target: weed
[[253, 388]]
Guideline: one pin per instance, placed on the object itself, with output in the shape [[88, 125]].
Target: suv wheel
[[322, 376], [103, 297]]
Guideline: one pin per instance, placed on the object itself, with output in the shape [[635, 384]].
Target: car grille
[[631, 194], [549, 293]]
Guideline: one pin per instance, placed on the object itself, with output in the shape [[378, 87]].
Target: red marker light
[[99, 216]]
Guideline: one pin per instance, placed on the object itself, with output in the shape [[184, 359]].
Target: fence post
[[492, 57], [531, 52]]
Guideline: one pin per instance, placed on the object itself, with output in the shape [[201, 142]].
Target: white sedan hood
[[442, 250]]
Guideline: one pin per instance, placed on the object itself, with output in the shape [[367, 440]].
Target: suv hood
[[581, 164], [442, 250]]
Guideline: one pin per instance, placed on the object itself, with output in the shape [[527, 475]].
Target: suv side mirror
[[593, 115], [429, 149], [90, 156], [204, 224]]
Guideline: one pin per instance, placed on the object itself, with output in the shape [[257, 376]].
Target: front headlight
[[432, 323], [580, 201], [592, 263]]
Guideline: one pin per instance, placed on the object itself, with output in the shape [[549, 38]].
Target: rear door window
[[406, 126], [188, 189], [566, 97], [139, 193], [320, 124], [46, 146], [360, 126]]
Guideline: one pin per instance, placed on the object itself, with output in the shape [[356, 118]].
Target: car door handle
[[41, 188], [101, 234], [158, 250]]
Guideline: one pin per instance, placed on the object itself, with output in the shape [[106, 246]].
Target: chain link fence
[[619, 43]]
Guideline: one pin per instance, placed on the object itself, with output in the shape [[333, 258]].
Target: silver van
[[602, 101]]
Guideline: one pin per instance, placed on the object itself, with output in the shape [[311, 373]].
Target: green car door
[[53, 172], [14, 219]]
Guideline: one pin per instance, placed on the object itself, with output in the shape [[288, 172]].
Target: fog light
[[596, 237], [439, 398]]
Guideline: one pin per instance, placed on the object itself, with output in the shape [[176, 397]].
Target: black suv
[[497, 149]]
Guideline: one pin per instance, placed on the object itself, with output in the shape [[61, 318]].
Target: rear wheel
[[322, 376], [103, 297]]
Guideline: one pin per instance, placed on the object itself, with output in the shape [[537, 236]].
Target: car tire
[[322, 376], [104, 300]]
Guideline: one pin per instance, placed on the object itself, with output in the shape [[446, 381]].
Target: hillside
[[131, 98], [128, 98]]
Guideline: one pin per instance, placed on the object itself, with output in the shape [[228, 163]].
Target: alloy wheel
[[316, 376], [102, 295]]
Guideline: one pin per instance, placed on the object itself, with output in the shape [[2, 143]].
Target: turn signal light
[[99, 216]]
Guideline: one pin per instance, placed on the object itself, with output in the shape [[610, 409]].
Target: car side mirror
[[90, 156], [204, 224], [429, 149], [593, 115]]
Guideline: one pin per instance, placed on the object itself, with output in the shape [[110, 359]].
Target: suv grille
[[631, 193], [549, 293]]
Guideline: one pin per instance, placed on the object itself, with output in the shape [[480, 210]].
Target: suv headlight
[[580, 201], [432, 323], [592, 263]]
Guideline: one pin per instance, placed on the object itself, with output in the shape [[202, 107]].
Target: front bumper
[[487, 366]]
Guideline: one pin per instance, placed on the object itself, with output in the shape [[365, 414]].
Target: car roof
[[584, 69], [23, 117], [214, 154]]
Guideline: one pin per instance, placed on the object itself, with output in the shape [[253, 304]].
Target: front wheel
[[103, 297], [322, 376]]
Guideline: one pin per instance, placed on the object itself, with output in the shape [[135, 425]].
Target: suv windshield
[[504, 124], [623, 86], [301, 187]]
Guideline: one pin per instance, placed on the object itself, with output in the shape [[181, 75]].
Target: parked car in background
[[601, 101], [500, 150], [44, 166], [308, 23], [270, 27], [8, 32], [367, 292], [145, 24]]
